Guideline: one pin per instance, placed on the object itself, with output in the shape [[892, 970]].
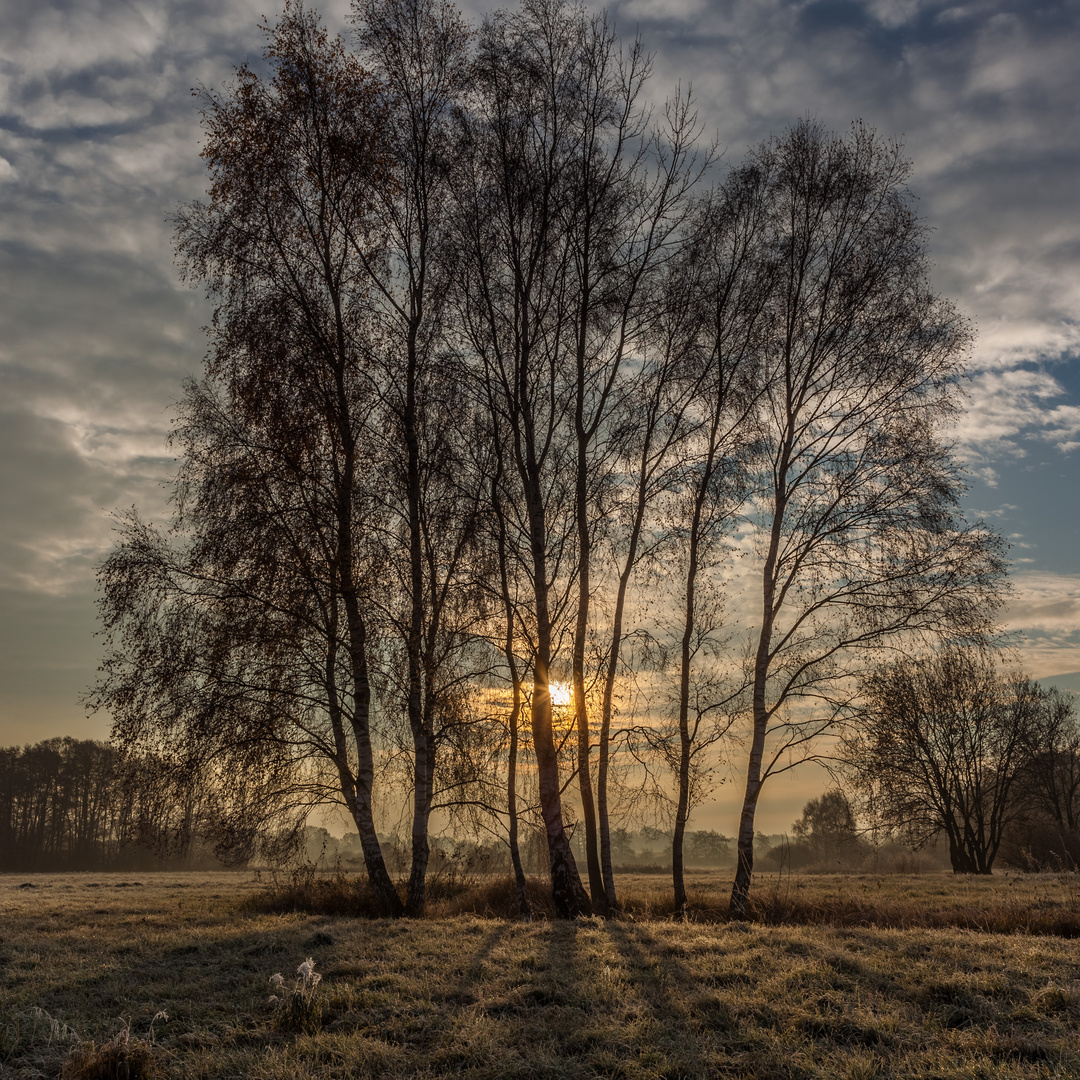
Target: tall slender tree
[[732, 284], [861, 542], [419, 49], [575, 203], [244, 638], [518, 317], [657, 423], [630, 203]]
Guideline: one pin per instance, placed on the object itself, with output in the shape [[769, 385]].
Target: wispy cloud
[[1045, 612], [1009, 410]]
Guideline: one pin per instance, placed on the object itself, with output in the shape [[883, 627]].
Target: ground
[[86, 958]]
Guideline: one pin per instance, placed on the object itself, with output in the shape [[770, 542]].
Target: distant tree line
[[538, 466], [71, 804], [648, 848]]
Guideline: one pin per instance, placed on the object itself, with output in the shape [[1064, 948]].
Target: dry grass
[[343, 894], [1005, 904], [484, 997], [121, 1058]]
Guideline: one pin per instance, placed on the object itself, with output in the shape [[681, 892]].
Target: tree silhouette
[[855, 517]]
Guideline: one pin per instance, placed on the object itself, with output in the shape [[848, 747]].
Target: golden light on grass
[[877, 994]]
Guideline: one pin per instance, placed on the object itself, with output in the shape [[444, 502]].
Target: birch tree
[[862, 545], [575, 202], [243, 639], [733, 281], [419, 51]]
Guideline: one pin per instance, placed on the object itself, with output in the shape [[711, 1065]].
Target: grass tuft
[[497, 898], [121, 1058], [298, 1011], [306, 891]]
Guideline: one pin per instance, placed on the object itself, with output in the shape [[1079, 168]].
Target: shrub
[[305, 890]]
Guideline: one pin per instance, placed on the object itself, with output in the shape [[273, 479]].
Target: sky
[[99, 143]]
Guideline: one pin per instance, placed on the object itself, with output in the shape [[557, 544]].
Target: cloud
[[684, 11], [99, 141], [1045, 611], [57, 494], [1011, 409], [983, 96]]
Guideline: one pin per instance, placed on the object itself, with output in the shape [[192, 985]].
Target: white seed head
[[277, 980]]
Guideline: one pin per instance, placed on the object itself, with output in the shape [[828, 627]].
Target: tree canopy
[[513, 399]]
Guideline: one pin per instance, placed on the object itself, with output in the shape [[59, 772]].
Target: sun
[[561, 693]]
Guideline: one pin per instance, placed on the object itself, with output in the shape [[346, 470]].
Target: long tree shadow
[[469, 987], [652, 968]]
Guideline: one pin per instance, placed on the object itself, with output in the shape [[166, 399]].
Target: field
[[88, 961]]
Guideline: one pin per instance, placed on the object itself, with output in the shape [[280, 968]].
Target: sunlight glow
[[561, 693]]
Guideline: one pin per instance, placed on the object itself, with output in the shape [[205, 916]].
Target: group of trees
[[517, 420], [955, 752], [826, 835], [70, 804], [950, 746]]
